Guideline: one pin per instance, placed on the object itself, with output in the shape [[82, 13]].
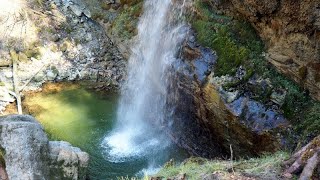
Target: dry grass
[[265, 167]]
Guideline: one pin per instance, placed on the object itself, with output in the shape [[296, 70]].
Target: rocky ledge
[[28, 154]]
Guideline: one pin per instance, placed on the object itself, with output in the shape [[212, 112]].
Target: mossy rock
[[14, 55], [125, 23], [129, 2], [34, 52], [97, 16], [54, 69], [235, 41], [105, 5], [65, 46], [23, 57], [54, 48]]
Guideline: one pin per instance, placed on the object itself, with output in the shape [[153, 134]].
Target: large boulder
[[30, 155], [26, 147]]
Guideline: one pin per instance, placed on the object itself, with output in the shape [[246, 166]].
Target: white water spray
[[143, 96]]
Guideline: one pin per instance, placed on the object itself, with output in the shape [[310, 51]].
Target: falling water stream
[[142, 103]]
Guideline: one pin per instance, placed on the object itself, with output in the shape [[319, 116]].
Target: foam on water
[[128, 145]]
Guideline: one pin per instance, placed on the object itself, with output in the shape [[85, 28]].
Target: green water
[[84, 118]]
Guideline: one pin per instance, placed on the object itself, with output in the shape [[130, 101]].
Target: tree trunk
[[16, 85]]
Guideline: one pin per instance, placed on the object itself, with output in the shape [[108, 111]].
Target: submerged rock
[[30, 155]]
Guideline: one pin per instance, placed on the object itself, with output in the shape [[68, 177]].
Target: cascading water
[[143, 96]]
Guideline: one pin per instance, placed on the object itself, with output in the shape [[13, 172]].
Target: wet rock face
[[30, 155], [187, 128], [205, 119], [292, 32]]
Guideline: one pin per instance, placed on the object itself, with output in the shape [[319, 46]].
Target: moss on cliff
[[126, 22], [237, 44], [234, 41], [309, 125]]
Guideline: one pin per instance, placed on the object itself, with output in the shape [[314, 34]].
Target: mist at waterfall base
[[141, 112]]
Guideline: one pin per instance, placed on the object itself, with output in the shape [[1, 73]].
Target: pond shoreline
[[50, 87], [85, 116]]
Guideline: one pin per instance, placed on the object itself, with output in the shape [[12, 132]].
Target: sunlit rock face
[[206, 120], [291, 30]]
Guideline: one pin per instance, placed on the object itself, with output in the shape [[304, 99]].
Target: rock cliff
[[291, 32]]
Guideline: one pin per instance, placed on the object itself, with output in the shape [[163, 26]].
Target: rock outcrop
[[30, 155], [291, 30], [67, 161], [208, 121]]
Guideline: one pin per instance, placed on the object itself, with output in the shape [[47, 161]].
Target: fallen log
[[311, 166], [305, 161]]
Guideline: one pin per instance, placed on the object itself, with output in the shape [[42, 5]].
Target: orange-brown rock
[[291, 30]]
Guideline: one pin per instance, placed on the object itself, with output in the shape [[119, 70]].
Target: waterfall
[[143, 95]]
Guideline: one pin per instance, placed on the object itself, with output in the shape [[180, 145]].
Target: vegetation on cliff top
[[124, 25], [233, 40]]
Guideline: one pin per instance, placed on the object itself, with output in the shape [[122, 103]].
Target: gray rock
[[71, 161], [30, 155], [87, 13], [278, 96], [26, 147], [51, 74], [39, 77], [76, 9]]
